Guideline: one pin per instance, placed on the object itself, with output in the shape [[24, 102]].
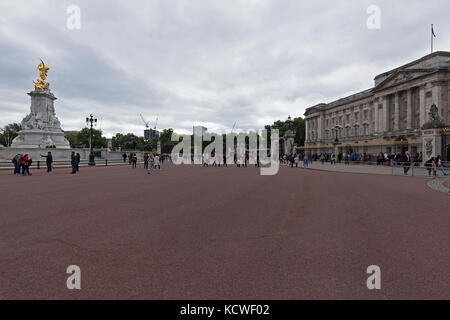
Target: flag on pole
[[432, 31]]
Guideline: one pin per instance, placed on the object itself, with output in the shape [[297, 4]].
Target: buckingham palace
[[406, 110]]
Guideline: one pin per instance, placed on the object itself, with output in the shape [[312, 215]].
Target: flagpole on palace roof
[[432, 37]]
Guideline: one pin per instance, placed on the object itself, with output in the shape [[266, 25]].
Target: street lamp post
[[336, 128], [289, 137], [91, 121], [336, 142]]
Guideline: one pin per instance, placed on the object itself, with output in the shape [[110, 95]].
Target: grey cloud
[[213, 61]]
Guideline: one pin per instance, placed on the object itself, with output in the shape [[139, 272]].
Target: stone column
[[320, 127], [422, 110], [375, 115], [396, 112], [385, 114], [437, 100], [409, 109], [307, 130]]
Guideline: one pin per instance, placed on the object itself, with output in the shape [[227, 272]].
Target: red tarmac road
[[221, 233]]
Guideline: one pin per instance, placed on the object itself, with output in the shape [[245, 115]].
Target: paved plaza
[[190, 232]]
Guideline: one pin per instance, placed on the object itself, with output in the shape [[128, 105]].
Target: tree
[[82, 139], [298, 127], [9, 132]]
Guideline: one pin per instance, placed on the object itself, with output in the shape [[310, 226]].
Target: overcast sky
[[207, 62]]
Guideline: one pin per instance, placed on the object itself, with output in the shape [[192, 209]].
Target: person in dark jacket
[[406, 162], [49, 161], [78, 161], [73, 162], [17, 160]]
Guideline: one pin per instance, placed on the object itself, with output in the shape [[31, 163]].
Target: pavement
[[189, 232]]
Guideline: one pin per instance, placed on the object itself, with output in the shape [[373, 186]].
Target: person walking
[[17, 160], [48, 161], [333, 159], [157, 162], [305, 162], [73, 162], [26, 162], [134, 160], [146, 160], [78, 160], [440, 165], [406, 162], [433, 166]]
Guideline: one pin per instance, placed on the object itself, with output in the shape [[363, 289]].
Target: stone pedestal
[[41, 128], [289, 144], [431, 143], [336, 149]]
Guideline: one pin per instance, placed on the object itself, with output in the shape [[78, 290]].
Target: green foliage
[[82, 139], [8, 133], [298, 127]]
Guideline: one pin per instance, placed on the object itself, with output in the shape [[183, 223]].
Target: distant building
[[199, 129], [150, 134]]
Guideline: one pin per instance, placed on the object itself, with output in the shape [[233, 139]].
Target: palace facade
[[388, 117]]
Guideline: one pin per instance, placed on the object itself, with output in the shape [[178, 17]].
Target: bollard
[[106, 162], [39, 164]]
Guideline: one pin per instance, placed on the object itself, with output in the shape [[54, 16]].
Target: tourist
[[305, 161], [146, 160], [157, 162], [48, 161], [78, 160], [439, 164], [73, 162], [428, 165], [433, 166], [150, 163], [124, 156], [17, 160], [134, 160], [333, 159], [406, 162], [26, 163]]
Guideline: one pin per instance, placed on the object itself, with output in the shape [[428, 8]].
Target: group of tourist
[[401, 160], [433, 164], [22, 164], [75, 162]]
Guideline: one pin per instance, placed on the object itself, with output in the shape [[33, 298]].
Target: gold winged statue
[[41, 84]]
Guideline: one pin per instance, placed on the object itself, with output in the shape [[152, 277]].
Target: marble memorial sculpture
[[41, 128]]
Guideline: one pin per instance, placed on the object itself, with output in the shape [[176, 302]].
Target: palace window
[[356, 116], [366, 114], [348, 118], [347, 132], [366, 130], [356, 131]]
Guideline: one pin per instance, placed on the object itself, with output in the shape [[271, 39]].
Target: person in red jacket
[[26, 163]]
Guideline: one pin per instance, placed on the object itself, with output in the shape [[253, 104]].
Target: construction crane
[[156, 122], [233, 126], [145, 122]]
